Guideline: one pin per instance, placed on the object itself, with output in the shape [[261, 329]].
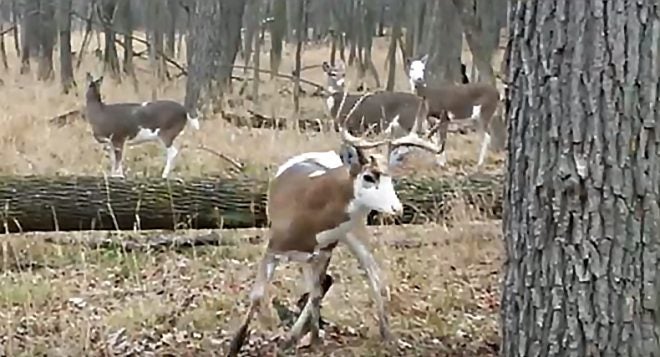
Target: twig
[[234, 162]]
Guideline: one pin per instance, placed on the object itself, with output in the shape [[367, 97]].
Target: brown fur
[[122, 121]]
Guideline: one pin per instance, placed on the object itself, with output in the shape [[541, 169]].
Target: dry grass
[[31, 146], [72, 300]]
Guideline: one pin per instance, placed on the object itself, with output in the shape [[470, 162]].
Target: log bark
[[582, 211], [35, 203]]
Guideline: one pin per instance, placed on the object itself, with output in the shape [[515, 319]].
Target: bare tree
[[582, 214], [302, 25], [278, 28], [66, 62], [444, 63]]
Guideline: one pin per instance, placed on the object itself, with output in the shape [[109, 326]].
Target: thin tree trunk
[[107, 11], [3, 49], [302, 12], [582, 211], [66, 62], [14, 22], [394, 38], [29, 33]]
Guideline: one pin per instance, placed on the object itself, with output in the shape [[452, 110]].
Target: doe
[[118, 124]]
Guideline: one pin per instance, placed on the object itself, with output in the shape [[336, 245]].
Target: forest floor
[[73, 299], [70, 299]]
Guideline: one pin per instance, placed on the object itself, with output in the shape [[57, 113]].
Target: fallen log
[[66, 203]]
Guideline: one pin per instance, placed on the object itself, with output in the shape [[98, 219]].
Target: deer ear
[[99, 81], [350, 155], [89, 78], [325, 66], [424, 59]]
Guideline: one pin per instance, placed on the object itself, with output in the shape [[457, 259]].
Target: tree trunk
[[171, 25], [29, 33], [107, 10], [277, 33], [214, 48], [3, 49], [444, 63], [47, 36], [581, 212], [66, 63], [14, 22], [32, 203], [128, 23], [300, 29], [397, 7]]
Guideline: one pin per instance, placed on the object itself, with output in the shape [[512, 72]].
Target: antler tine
[[351, 139], [412, 139]]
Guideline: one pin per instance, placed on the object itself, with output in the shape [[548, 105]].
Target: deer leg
[[311, 272], [116, 149], [369, 265], [170, 155], [265, 273], [326, 281], [441, 158], [485, 142]]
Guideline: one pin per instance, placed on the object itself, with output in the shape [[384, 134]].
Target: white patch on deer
[[144, 135], [194, 121], [476, 112], [327, 159], [340, 82], [484, 148], [316, 173], [394, 124], [379, 197], [416, 72], [171, 154], [144, 104], [441, 158], [451, 115], [398, 155], [330, 103]]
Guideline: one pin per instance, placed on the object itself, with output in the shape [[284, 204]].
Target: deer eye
[[369, 178]]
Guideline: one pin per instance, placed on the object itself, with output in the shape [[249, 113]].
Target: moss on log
[[38, 203]]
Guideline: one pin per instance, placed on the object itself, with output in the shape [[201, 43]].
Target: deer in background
[[392, 113], [316, 201], [474, 101], [118, 124]]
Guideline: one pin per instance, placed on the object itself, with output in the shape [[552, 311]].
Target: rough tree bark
[[47, 36], [29, 32], [3, 49], [66, 62], [581, 219], [107, 10], [444, 63], [213, 51]]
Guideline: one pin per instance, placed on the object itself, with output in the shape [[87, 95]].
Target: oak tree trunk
[[581, 218], [213, 51]]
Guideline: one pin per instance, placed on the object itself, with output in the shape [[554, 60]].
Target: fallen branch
[[240, 166]]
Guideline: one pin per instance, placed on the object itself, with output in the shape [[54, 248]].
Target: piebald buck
[[118, 124], [475, 101], [316, 201]]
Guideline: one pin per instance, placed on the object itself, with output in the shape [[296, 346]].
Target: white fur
[[327, 159], [476, 112], [330, 103], [441, 159], [484, 148], [340, 82], [394, 125], [171, 154], [379, 197], [193, 121], [416, 73], [144, 135], [317, 173], [144, 104]]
